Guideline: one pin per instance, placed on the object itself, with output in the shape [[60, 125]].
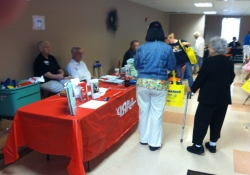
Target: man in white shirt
[[76, 67], [199, 50]]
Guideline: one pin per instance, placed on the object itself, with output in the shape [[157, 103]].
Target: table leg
[[89, 166], [48, 157]]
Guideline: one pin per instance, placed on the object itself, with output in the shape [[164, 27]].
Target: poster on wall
[[38, 22]]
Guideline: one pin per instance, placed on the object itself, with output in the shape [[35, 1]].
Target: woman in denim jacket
[[153, 59]]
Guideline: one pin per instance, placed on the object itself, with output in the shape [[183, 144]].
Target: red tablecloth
[[46, 127]]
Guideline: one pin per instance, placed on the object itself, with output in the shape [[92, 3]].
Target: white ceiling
[[229, 7]]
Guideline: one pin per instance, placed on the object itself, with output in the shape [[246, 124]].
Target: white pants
[[54, 86], [151, 107], [246, 51]]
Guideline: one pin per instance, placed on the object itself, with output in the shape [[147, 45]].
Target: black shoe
[[143, 143], [212, 149], [152, 148], [196, 150]]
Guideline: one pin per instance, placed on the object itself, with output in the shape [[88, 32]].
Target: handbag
[[190, 53], [175, 95]]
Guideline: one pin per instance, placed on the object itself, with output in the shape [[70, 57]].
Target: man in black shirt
[[47, 66], [131, 52], [234, 44]]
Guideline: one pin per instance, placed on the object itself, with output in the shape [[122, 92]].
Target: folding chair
[[247, 76], [97, 67], [248, 125], [246, 99], [244, 61]]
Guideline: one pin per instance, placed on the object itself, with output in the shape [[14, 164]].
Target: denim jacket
[[153, 59]]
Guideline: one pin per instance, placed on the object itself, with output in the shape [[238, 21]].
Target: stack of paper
[[71, 99]]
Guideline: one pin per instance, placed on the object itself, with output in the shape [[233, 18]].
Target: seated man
[[46, 65], [131, 52], [76, 67]]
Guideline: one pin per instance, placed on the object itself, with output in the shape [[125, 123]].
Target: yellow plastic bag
[[246, 86], [175, 95], [190, 53]]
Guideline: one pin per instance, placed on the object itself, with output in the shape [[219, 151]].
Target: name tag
[[46, 62]]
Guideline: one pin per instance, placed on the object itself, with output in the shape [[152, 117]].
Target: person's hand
[[60, 76], [68, 77], [186, 44], [188, 89]]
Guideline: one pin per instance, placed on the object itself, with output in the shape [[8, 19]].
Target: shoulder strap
[[182, 45]]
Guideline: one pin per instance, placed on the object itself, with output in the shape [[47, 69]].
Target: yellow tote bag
[[190, 53], [175, 95], [246, 86]]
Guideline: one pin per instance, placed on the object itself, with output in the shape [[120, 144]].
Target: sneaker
[[152, 148], [143, 143], [196, 150], [212, 149]]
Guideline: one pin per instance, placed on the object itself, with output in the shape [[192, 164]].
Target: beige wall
[[213, 27], [183, 26], [73, 23]]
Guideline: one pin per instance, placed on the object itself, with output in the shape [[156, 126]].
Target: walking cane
[[189, 95]]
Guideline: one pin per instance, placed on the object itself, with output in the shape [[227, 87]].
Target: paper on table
[[93, 104], [103, 91]]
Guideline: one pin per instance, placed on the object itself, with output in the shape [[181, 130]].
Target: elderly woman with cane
[[214, 80]]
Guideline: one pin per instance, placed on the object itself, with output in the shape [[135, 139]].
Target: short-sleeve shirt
[[43, 65], [247, 39], [150, 83], [78, 70], [180, 54]]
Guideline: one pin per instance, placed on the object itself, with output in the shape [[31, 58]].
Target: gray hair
[[219, 45], [197, 34], [74, 49], [40, 45]]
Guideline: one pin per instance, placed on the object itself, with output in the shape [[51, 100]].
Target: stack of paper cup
[[117, 71], [127, 71]]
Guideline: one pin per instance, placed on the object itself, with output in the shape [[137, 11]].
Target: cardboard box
[[4, 131]]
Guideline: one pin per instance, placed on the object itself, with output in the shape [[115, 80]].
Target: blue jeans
[[188, 74], [199, 61]]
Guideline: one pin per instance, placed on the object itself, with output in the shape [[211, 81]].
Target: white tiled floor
[[128, 157]]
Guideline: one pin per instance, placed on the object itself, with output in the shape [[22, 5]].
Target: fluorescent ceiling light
[[205, 4], [210, 12]]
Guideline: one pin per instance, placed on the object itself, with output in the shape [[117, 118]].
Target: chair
[[247, 76], [45, 94], [248, 125], [179, 80], [245, 60], [97, 67], [228, 54]]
